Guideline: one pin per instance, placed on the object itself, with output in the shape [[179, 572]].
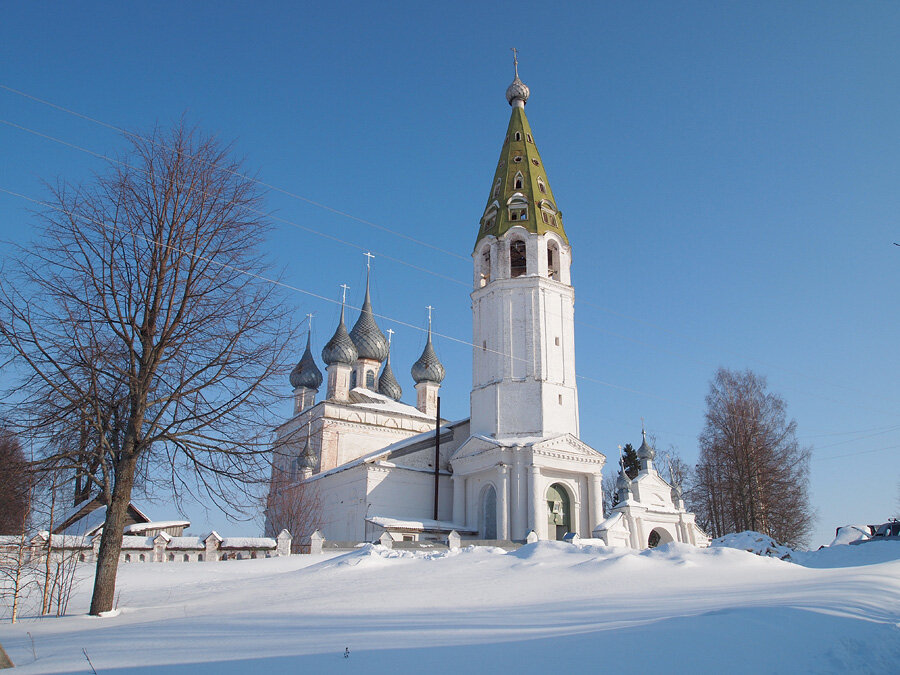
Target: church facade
[[517, 465]]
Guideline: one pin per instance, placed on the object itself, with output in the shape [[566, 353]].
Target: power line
[[239, 175], [423, 243]]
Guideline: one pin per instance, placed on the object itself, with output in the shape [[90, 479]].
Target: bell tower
[[523, 374]]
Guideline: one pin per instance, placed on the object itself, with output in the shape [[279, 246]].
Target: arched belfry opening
[[518, 259], [559, 512], [485, 260], [553, 260]]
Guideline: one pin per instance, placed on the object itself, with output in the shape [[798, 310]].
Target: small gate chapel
[[517, 465]]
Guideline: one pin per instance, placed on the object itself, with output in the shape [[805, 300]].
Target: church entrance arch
[[659, 536], [559, 512], [489, 513]]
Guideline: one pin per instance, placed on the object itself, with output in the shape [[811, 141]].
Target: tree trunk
[[111, 539]]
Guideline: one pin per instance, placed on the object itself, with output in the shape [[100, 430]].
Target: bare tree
[[293, 505], [146, 330], [15, 479], [752, 473]]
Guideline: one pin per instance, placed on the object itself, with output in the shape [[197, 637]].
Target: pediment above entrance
[[568, 446]]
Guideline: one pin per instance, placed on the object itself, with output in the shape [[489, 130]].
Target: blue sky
[[728, 175]]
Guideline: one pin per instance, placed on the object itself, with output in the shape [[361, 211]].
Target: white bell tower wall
[[523, 370]]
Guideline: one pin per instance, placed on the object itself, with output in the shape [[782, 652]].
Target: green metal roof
[[520, 155]]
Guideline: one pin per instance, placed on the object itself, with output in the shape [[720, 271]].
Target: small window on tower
[[528, 136], [542, 187], [517, 182], [518, 136], [496, 188], [517, 159], [560, 399], [556, 341], [370, 379], [544, 217], [535, 162]]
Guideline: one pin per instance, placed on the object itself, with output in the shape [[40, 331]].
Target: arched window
[[553, 260], [127, 557], [81, 557], [518, 136], [485, 275], [199, 557], [517, 181], [541, 186], [353, 380], [186, 558], [224, 556], [240, 556], [171, 557], [142, 558], [370, 379], [252, 555], [489, 513], [518, 260], [496, 191]]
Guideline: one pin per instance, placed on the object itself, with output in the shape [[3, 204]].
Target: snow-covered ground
[[549, 607]]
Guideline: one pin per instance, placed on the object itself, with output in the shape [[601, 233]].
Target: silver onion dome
[[340, 349], [645, 451], [366, 335], [428, 368], [387, 383], [306, 373], [517, 90], [307, 458]]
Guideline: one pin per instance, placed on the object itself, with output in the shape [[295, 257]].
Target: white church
[[517, 466]]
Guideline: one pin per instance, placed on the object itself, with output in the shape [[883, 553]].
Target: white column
[[535, 512], [519, 497], [596, 500], [503, 503], [459, 499]]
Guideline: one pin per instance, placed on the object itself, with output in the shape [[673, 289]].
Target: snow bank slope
[[675, 609]]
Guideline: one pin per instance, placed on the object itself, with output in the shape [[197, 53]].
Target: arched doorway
[[659, 536], [558, 512], [489, 513]]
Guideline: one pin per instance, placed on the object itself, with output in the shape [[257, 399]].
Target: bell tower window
[[496, 188], [553, 262], [541, 186], [517, 259], [517, 181], [518, 136], [486, 267]]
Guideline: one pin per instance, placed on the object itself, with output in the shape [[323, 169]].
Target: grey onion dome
[[366, 335], [307, 459], [622, 482], [306, 373], [517, 90], [340, 349], [428, 368], [645, 451], [387, 383]]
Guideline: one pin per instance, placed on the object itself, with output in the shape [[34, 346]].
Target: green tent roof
[[520, 192]]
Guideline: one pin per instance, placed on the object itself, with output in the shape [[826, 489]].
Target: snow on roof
[[372, 400], [609, 522], [137, 542], [63, 540], [248, 542], [850, 533], [186, 543], [383, 452], [416, 524], [156, 524], [88, 523]]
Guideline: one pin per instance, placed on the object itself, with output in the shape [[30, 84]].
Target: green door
[[558, 512]]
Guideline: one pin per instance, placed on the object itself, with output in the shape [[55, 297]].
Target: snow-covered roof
[[372, 400], [130, 542], [416, 524], [384, 452], [156, 525], [186, 543], [248, 542], [610, 522], [63, 540]]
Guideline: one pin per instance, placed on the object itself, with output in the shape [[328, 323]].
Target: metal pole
[[437, 455]]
